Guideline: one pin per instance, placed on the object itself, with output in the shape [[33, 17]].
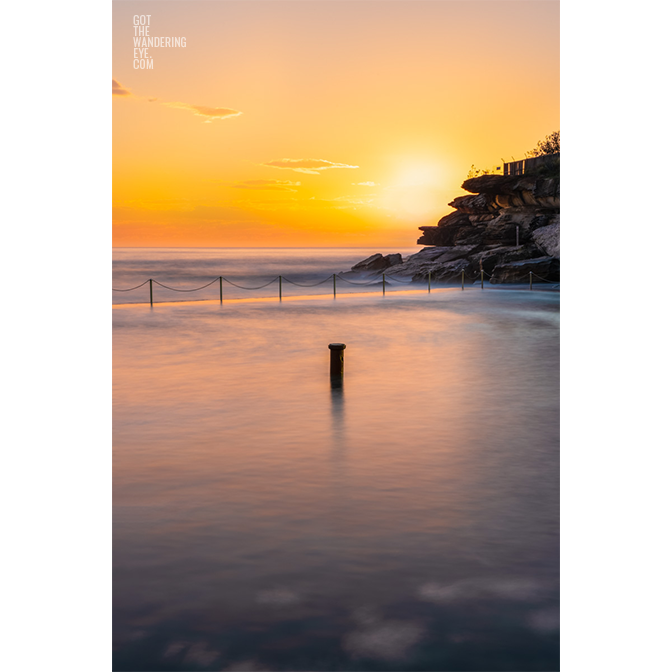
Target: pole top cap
[[336, 346]]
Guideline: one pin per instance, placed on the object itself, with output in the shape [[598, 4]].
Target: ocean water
[[183, 269], [267, 519]]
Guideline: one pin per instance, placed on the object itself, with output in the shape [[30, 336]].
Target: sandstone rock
[[513, 184], [452, 219], [456, 252], [475, 205], [547, 239], [501, 255], [547, 268], [469, 235], [508, 225], [377, 262], [501, 231], [447, 272], [418, 266], [458, 232]]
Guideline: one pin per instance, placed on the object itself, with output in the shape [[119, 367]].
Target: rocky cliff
[[507, 225]]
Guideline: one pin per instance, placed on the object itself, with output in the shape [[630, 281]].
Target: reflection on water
[[266, 519]]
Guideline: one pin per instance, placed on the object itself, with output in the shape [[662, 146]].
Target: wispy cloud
[[310, 166], [119, 90], [267, 185], [364, 184], [210, 113]]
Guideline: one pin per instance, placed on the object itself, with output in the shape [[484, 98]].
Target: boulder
[[547, 239], [377, 262]]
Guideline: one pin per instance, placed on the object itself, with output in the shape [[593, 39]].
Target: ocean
[[267, 519], [187, 269]]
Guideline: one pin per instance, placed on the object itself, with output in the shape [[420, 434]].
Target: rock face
[[377, 262], [507, 226], [547, 268], [547, 238]]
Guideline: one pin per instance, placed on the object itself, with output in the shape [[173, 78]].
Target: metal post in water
[[220, 289], [429, 282], [462, 279], [337, 357], [280, 287], [151, 295], [481, 278], [383, 284], [334, 285], [530, 280]]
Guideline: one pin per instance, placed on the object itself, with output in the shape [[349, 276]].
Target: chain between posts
[[385, 280]]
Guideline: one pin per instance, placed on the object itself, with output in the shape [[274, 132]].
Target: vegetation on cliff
[[549, 145]]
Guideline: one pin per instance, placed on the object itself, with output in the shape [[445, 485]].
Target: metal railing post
[[334, 285], [220, 289], [383, 284], [280, 287], [481, 278], [429, 282], [151, 294], [462, 279], [530, 280]]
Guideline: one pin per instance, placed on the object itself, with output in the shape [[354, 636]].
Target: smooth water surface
[[408, 520], [181, 269]]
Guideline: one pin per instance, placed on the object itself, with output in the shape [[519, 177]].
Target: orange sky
[[321, 123]]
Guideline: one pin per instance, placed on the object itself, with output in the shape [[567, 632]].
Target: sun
[[421, 174], [417, 188]]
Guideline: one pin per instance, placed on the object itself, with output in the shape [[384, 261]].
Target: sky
[[320, 123]]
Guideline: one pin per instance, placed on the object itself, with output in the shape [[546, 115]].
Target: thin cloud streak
[[210, 113], [309, 166], [267, 185], [119, 90]]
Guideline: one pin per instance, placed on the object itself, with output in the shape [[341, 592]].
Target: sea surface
[[267, 518], [178, 273]]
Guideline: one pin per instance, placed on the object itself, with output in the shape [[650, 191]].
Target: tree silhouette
[[549, 145]]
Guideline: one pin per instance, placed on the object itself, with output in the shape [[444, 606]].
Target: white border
[[56, 467], [615, 342]]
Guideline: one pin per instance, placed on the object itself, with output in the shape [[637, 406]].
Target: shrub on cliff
[[477, 172], [549, 145]]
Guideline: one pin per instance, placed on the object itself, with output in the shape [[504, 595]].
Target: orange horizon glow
[[321, 124]]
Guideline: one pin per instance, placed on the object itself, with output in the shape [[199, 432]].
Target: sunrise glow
[[320, 124]]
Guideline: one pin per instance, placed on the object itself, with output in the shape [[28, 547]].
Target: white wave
[[280, 597], [248, 665], [380, 639], [468, 589], [545, 620]]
